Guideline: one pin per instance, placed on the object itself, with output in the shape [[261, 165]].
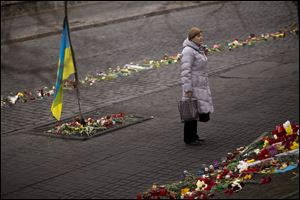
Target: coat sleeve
[[186, 69]]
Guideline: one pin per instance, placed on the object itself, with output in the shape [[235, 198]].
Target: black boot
[[190, 132]]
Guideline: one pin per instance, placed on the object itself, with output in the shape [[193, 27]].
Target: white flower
[[286, 124], [13, 99], [51, 92], [236, 183], [256, 151], [200, 185], [242, 165]]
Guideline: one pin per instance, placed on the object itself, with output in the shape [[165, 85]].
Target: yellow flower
[[281, 148], [295, 145], [111, 76], [283, 166], [248, 176], [250, 161], [125, 71], [266, 144], [20, 94], [288, 128], [184, 191]]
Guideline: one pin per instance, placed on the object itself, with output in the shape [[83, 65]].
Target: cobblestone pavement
[[254, 89], [129, 51]]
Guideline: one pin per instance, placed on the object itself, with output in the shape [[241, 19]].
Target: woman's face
[[198, 39]]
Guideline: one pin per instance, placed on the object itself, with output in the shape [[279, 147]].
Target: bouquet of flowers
[[274, 152], [90, 126]]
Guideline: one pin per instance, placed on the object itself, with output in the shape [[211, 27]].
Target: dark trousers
[[190, 131]]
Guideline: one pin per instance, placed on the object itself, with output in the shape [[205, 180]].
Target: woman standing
[[194, 78]]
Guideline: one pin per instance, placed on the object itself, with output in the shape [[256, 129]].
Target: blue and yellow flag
[[65, 69]]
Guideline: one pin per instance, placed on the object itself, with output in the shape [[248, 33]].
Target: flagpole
[[73, 57]]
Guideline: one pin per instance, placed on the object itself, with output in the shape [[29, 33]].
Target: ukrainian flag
[[65, 69]]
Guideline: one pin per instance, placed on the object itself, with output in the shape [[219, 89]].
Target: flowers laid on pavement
[[128, 69], [27, 95], [275, 152], [91, 125], [90, 79]]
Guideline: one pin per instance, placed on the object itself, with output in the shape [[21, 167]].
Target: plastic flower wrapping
[[110, 74], [91, 125], [274, 152]]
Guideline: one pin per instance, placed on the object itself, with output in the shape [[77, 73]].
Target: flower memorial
[[275, 152], [91, 125], [128, 69]]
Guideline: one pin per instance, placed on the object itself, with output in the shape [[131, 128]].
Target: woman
[[194, 78]]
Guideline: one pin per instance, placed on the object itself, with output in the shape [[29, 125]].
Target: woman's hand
[[189, 94]]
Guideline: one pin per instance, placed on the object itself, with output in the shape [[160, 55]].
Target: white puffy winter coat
[[194, 76]]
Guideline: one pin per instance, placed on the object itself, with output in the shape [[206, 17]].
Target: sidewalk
[[48, 23], [123, 163]]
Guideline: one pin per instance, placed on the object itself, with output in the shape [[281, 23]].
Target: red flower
[[250, 170], [295, 128], [162, 191], [230, 156], [280, 128], [265, 180], [119, 115], [209, 182], [139, 196], [224, 173], [288, 141], [154, 194], [263, 154]]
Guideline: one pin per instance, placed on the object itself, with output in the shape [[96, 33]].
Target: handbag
[[188, 110], [204, 117]]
